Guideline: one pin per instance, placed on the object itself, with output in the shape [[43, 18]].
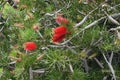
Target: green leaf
[[8, 10], [18, 71], [13, 53], [1, 71]]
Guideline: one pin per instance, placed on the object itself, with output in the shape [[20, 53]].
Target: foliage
[[78, 57]]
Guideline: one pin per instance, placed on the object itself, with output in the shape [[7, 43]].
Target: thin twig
[[61, 46], [31, 73], [72, 50], [4, 23], [116, 6], [81, 12], [118, 34], [41, 36], [71, 68], [85, 18], [114, 29], [112, 19], [98, 62], [39, 71], [110, 66], [86, 66], [105, 78], [111, 57], [2, 28], [56, 12], [97, 42]]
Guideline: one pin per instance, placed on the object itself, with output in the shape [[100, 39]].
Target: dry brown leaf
[[79, 1], [40, 57], [20, 25], [30, 15], [12, 72], [20, 53], [23, 6], [15, 58], [16, 1]]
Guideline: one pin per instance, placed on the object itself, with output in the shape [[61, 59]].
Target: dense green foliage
[[67, 61]]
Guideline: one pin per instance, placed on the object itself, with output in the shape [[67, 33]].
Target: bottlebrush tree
[[59, 39]]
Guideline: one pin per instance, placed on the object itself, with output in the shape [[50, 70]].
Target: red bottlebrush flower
[[61, 20], [58, 37], [60, 30], [30, 46], [59, 34]]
